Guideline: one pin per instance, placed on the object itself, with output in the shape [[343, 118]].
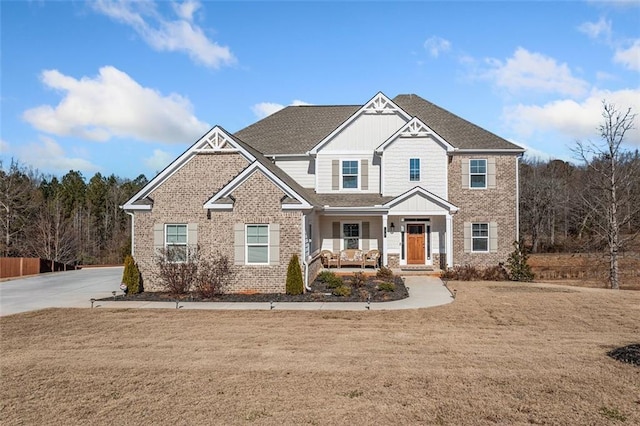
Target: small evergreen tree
[[519, 269], [131, 276], [295, 285]]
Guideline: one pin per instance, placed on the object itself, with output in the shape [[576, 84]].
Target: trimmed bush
[[295, 284], [131, 276], [334, 281], [388, 287], [495, 273], [343, 291], [325, 276]]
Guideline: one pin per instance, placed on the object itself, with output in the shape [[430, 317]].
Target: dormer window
[[349, 174]]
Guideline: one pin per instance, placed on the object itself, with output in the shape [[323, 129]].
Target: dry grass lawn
[[503, 353]]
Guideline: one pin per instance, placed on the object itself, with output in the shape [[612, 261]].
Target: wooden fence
[[19, 266]]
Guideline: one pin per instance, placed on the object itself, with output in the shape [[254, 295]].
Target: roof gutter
[[491, 151]]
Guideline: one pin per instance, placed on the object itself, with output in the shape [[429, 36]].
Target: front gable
[[366, 128], [215, 142], [419, 200], [289, 199]]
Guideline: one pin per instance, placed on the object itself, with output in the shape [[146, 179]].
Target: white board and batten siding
[[433, 166]]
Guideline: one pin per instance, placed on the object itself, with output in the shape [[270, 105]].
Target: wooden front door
[[415, 244]]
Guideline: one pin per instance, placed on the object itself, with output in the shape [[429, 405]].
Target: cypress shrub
[[131, 276], [295, 285], [519, 269]]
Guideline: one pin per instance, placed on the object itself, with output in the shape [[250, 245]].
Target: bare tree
[[609, 196]]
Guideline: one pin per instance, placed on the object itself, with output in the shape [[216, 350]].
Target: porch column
[[385, 261], [449, 240]]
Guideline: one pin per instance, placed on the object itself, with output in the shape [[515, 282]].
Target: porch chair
[[371, 258], [329, 259]]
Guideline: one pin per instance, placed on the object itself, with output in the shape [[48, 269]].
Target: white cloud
[[436, 45], [48, 155], [265, 109], [597, 29], [168, 35], [630, 57], [159, 160], [114, 105], [576, 120], [530, 71]]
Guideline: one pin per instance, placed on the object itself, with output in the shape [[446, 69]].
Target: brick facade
[[180, 199], [497, 204]]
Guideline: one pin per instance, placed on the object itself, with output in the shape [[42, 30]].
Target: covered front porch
[[412, 231]]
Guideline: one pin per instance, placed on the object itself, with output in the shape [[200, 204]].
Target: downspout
[[133, 234], [305, 263], [518, 196]]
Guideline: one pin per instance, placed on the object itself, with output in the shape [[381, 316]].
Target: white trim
[[414, 128], [449, 240], [518, 197], [428, 257], [380, 103], [488, 237], [342, 237], [419, 169], [486, 173], [136, 207], [358, 175], [385, 246], [488, 151], [246, 245], [211, 142], [243, 176], [430, 196], [185, 244]]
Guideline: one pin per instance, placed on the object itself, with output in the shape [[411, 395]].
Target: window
[[350, 174], [480, 237], [478, 173], [351, 235], [414, 169], [176, 242], [257, 244]]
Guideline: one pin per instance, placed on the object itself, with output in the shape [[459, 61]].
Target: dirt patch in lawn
[[370, 289], [492, 356]]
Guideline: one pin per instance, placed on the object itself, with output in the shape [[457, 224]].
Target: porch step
[[421, 270]]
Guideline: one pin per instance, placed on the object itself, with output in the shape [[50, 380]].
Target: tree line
[[68, 220]]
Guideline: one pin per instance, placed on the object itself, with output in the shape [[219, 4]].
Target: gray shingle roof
[[351, 200], [457, 131], [295, 129]]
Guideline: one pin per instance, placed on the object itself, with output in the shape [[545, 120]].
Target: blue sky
[[125, 87]]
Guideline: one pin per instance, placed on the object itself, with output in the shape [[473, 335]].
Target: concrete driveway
[[71, 289]]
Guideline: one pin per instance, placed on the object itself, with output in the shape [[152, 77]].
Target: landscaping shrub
[[389, 287], [295, 284], [495, 273], [384, 273], [519, 269], [462, 273], [325, 276], [213, 276], [334, 281], [343, 290], [131, 276], [358, 279], [176, 272]]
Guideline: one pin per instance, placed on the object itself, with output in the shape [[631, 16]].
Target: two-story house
[[402, 175]]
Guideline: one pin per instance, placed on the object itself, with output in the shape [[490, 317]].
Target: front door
[[415, 244]]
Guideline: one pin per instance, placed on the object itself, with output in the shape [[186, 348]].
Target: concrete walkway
[[424, 292], [75, 289]]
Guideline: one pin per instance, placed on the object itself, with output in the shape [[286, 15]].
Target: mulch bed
[[319, 293], [629, 354]]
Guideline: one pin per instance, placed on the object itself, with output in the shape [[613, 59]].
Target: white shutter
[[274, 244], [467, 237], [238, 244], [465, 173]]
